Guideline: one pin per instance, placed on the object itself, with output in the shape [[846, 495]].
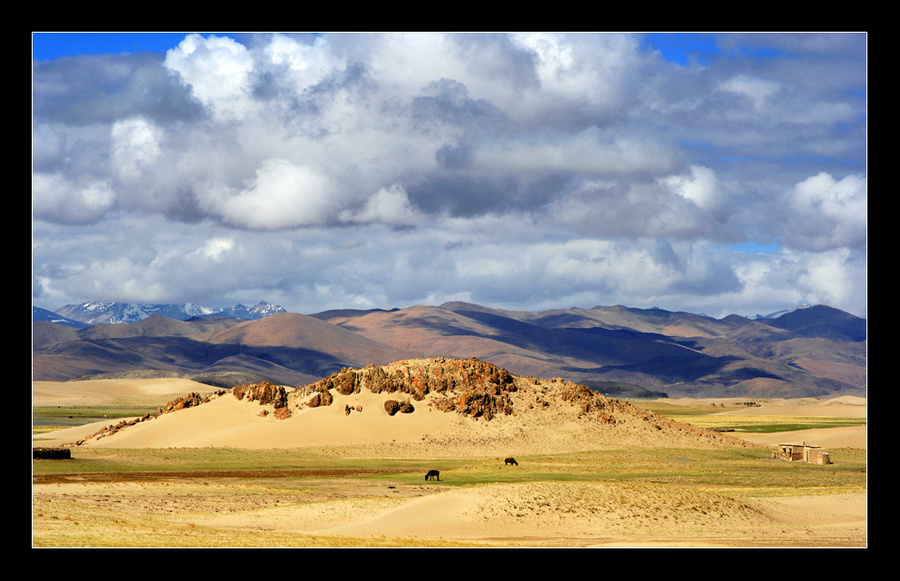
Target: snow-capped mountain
[[784, 312], [92, 313]]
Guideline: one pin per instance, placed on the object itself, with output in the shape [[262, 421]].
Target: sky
[[707, 173]]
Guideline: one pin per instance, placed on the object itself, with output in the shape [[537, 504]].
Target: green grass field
[[716, 468], [50, 418], [704, 416]]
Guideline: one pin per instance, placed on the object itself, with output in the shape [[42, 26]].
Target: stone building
[[802, 453]]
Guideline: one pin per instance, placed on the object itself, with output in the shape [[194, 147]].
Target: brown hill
[[283, 348], [656, 351], [658, 321], [433, 407], [438, 331], [616, 350]]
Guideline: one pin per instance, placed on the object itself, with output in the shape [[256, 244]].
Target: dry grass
[[697, 497], [612, 486]]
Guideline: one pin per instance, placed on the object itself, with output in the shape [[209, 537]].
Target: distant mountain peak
[[115, 313], [777, 314]]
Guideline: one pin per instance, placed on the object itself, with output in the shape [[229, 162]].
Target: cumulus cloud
[[281, 195], [215, 249], [824, 213], [135, 146], [522, 170], [387, 206], [217, 70], [55, 197], [700, 187]]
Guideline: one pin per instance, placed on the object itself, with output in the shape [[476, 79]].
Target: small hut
[[802, 453]]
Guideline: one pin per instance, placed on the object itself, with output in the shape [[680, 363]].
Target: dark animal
[[433, 475], [511, 461]]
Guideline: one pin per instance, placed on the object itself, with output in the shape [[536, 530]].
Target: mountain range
[[90, 313], [617, 350]]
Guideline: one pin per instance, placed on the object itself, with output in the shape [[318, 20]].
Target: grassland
[[50, 418], [228, 497], [155, 498], [705, 416]]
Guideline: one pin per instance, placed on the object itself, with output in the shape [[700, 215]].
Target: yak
[[433, 475], [509, 461]]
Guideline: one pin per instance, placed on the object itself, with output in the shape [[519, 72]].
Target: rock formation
[[265, 394], [468, 386]]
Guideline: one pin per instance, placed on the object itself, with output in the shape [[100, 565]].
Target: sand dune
[[831, 438], [582, 514], [118, 391], [549, 418], [232, 423], [576, 513], [228, 422], [843, 406]]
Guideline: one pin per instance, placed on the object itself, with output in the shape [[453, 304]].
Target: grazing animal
[[433, 475], [511, 461]]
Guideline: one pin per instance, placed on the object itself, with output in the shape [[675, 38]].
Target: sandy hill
[[430, 407]]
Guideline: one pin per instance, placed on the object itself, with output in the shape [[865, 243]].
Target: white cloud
[[387, 206], [134, 146], [825, 213], [55, 197], [828, 277], [525, 169], [404, 63], [306, 64], [215, 249], [579, 74], [701, 187], [217, 69], [622, 269], [757, 90], [639, 210], [282, 195]]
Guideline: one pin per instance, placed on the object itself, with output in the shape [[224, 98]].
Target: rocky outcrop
[[320, 396], [404, 407], [190, 400], [265, 394], [468, 386]]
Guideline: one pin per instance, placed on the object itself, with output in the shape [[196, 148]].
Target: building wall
[[800, 453]]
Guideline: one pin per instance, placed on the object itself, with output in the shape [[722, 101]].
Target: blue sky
[[680, 48], [52, 45], [715, 173]]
